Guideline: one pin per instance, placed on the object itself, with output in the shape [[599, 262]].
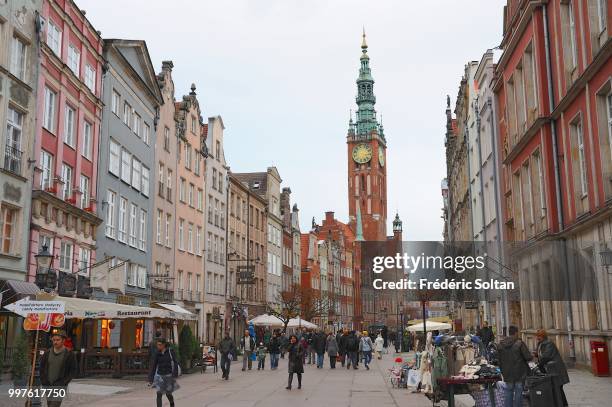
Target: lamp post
[[606, 258], [46, 278]]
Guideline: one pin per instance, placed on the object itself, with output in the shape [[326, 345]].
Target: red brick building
[[554, 109], [66, 149]]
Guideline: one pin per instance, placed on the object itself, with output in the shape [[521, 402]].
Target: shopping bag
[[253, 356], [414, 377]]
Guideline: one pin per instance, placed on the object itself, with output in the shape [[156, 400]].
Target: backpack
[[351, 343]]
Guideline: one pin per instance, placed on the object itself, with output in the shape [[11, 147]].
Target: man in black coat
[[57, 366], [274, 348], [513, 358], [352, 350], [341, 340], [318, 343], [550, 361], [227, 348]]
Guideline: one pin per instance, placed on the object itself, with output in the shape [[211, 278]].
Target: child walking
[[261, 356]]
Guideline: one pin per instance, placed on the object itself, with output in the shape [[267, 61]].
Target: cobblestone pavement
[[339, 387]]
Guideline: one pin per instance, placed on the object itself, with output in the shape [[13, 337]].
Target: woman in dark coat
[[550, 361], [164, 371], [296, 361]]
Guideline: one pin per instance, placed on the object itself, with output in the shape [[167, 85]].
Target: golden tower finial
[[364, 45]]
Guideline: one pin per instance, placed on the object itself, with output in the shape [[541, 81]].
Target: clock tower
[[367, 171]]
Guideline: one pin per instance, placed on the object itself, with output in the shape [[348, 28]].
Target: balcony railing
[[188, 295], [179, 294], [12, 160], [197, 297]]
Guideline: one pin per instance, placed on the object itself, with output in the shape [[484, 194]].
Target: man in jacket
[[318, 344], [274, 347], [341, 341], [550, 361], [247, 344], [227, 348], [352, 350], [57, 366], [513, 358]]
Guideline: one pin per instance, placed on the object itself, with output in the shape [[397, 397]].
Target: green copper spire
[[359, 226], [366, 115]]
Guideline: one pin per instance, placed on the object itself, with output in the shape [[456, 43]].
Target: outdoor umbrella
[[266, 320], [431, 326]]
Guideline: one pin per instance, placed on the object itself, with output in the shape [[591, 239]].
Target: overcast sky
[[282, 75]]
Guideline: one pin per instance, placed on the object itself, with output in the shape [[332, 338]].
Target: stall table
[[450, 384]]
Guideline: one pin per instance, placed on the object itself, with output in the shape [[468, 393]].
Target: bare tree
[[287, 305]]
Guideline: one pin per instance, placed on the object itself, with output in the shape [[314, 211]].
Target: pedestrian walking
[[227, 348], [163, 372], [341, 338], [318, 344], [378, 345], [550, 362], [274, 348], [513, 358], [352, 350], [366, 346], [331, 346], [312, 354], [304, 343], [296, 361], [57, 366], [284, 343], [247, 345], [261, 356]]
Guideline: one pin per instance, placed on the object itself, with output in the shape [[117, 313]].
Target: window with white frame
[[136, 170], [142, 242], [46, 170], [196, 165], [127, 114], [609, 113], [110, 214], [198, 242], [18, 57], [114, 159], [200, 199], [137, 124], [190, 238], [181, 237], [74, 59], [84, 260], [146, 134], [69, 126], [8, 229], [90, 77], [572, 33], [133, 224], [126, 166], [67, 179], [166, 139], [602, 14], [65, 263], [158, 232], [144, 187], [116, 99], [49, 114], [167, 234], [142, 277], [84, 187], [132, 276], [581, 157], [87, 140], [12, 154], [190, 195], [123, 221], [54, 38], [182, 190]]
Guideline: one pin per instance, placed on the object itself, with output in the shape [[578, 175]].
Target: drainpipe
[[560, 221]]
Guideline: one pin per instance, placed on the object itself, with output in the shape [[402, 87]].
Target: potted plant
[[20, 362], [186, 347]]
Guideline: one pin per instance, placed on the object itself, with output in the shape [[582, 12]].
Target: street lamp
[[45, 276], [606, 258]]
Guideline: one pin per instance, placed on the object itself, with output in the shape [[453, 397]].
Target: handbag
[[414, 377]]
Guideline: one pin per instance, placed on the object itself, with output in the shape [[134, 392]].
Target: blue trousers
[[274, 360], [514, 394], [320, 359], [367, 356]]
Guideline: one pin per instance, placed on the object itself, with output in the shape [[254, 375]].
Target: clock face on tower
[[362, 153], [381, 157]]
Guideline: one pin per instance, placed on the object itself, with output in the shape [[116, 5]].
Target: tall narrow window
[[146, 133], [12, 152], [67, 179], [46, 167], [602, 14], [133, 224], [114, 159], [110, 214], [87, 140], [168, 219], [66, 257], [54, 38], [8, 217], [90, 77], [115, 102], [581, 158], [49, 114], [142, 242], [166, 139], [181, 237], [84, 187], [127, 114], [69, 126], [144, 188], [136, 171], [74, 59], [126, 165], [137, 124], [158, 232], [572, 34], [123, 221], [18, 58], [609, 112]]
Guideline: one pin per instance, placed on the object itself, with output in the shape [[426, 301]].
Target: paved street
[[359, 388]]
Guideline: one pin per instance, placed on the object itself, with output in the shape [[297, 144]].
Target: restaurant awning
[[178, 311], [14, 290], [84, 308]]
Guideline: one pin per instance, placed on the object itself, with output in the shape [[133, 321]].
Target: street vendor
[[513, 358], [57, 366]]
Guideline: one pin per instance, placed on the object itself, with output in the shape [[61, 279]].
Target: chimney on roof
[[329, 216], [167, 65]]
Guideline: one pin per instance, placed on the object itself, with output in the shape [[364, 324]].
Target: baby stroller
[[395, 373]]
